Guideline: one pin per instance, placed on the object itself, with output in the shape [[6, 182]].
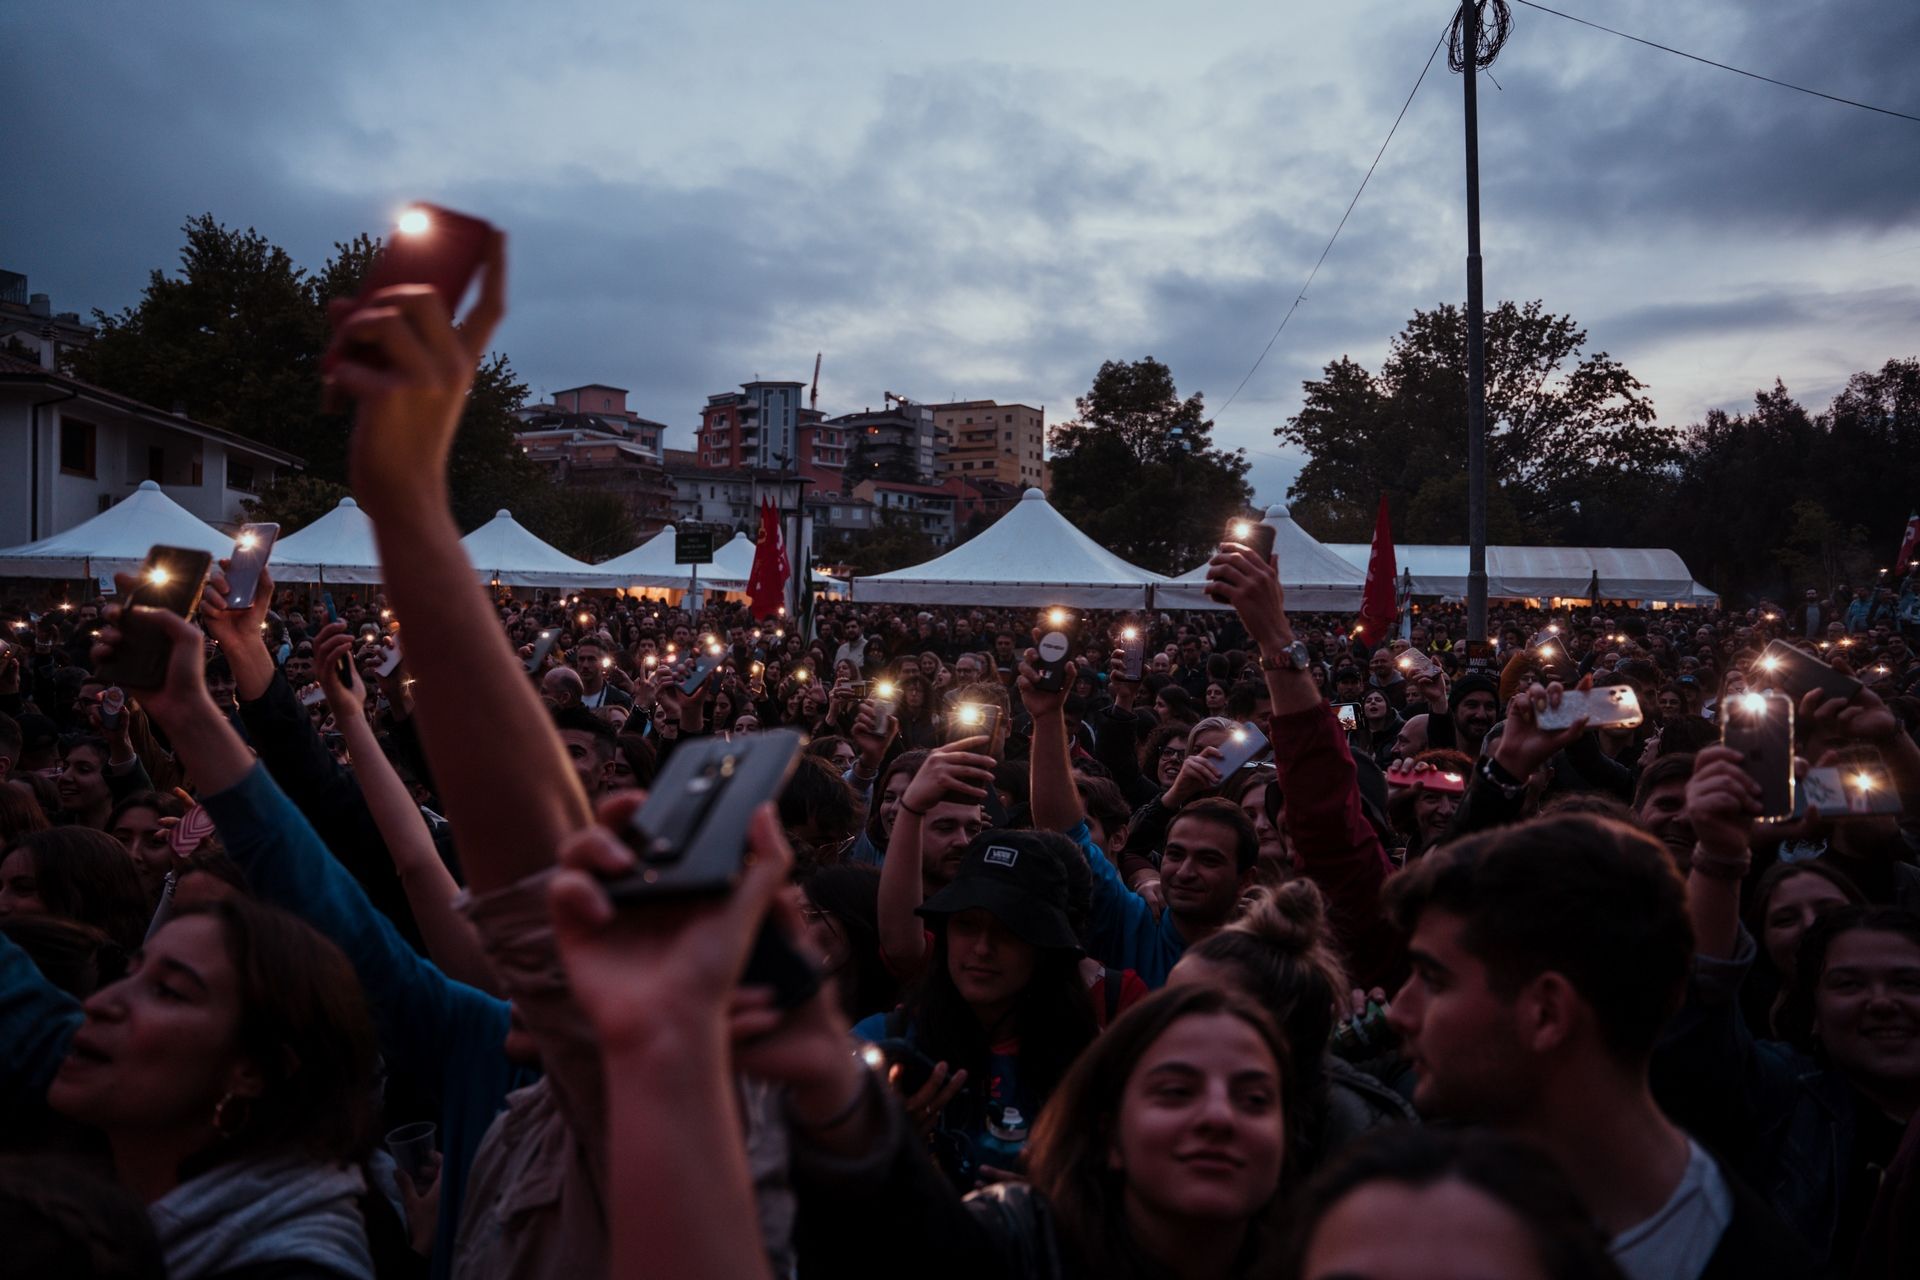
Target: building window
[[76, 448], [240, 475]]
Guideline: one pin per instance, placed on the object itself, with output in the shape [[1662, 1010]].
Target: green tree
[[294, 501], [1138, 473], [1561, 425]]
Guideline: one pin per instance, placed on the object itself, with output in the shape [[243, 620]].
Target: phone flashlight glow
[[1754, 703], [415, 222], [1058, 617], [158, 576], [248, 541], [970, 714], [884, 689], [1864, 781]]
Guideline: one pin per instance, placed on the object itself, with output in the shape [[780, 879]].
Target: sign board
[[693, 545]]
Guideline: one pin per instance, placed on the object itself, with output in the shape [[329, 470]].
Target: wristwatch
[[1295, 657]]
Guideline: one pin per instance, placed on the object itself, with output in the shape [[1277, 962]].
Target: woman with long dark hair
[[76, 873], [841, 907], [1002, 1010]]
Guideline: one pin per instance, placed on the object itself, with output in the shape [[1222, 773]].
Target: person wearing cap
[[1473, 705], [1002, 1011]]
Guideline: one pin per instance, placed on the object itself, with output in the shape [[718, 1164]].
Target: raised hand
[[1239, 577], [1038, 702], [958, 771], [1199, 776], [1524, 746], [183, 683], [1722, 803], [332, 644]]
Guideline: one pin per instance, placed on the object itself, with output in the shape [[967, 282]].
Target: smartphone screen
[[1349, 713], [251, 549], [1054, 649], [1760, 727]]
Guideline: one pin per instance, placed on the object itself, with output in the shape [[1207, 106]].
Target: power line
[[1302, 297], [1753, 75]]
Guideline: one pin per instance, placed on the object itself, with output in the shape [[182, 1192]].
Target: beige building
[[986, 440]]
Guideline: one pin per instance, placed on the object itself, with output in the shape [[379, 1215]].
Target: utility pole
[[1466, 59]]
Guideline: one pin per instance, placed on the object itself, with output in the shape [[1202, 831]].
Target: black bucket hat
[[1016, 878]]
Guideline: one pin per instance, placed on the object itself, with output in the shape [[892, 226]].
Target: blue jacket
[[1122, 932], [37, 1022], [430, 1025]]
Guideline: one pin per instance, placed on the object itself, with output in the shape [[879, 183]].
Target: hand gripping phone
[[704, 665], [432, 246], [542, 646], [1054, 649], [1255, 535], [170, 578], [251, 549], [973, 720], [1415, 665], [691, 840], [886, 698], [1614, 707], [1760, 727]]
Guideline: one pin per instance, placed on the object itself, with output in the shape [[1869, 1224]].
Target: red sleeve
[[1335, 843], [909, 974]]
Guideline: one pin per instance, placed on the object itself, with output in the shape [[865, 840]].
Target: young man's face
[[1476, 714], [944, 836], [1462, 1037], [594, 769], [1198, 872]]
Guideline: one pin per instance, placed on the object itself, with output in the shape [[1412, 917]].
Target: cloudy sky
[[989, 200]]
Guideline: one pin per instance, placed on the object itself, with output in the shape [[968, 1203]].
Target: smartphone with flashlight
[[975, 720], [886, 697], [1245, 744], [1415, 665], [690, 837], [705, 664], [433, 246], [1054, 648], [1614, 707], [389, 658], [915, 1067], [1255, 535], [1863, 789], [1796, 673], [170, 578], [542, 646], [1760, 727], [251, 548], [1133, 652]]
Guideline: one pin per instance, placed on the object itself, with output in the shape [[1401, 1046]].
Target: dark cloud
[[944, 212]]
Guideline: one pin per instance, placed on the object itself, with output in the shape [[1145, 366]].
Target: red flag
[[1909, 547], [767, 584], [1378, 606]]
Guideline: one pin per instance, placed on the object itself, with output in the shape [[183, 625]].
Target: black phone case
[[139, 661], [703, 666], [541, 648], [1766, 742], [1054, 652], [1261, 540], [1799, 673], [691, 834]]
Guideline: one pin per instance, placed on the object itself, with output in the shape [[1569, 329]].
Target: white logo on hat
[[998, 855]]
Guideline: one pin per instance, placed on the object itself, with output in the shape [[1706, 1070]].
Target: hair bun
[[1292, 916]]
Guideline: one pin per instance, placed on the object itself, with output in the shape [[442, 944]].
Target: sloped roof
[[1032, 555], [503, 551], [1316, 580], [116, 540], [338, 547]]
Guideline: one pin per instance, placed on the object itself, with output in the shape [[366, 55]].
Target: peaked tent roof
[[1032, 555], [1626, 573], [650, 564], [116, 540], [1316, 580], [338, 547], [503, 551]]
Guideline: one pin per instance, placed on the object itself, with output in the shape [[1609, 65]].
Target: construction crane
[[813, 396]]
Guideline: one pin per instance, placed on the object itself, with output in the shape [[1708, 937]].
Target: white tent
[[338, 547], [116, 540], [1513, 573], [503, 551], [1030, 556], [1316, 580], [650, 564]]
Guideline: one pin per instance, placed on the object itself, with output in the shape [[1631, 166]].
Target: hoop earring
[[225, 1124]]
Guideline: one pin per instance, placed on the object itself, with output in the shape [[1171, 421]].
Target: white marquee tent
[[1316, 580], [1633, 573], [338, 547], [116, 540], [650, 564], [503, 551], [1030, 556]]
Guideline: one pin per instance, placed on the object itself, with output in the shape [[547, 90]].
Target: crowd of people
[[309, 965]]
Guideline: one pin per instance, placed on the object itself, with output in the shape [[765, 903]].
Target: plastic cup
[[411, 1146]]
